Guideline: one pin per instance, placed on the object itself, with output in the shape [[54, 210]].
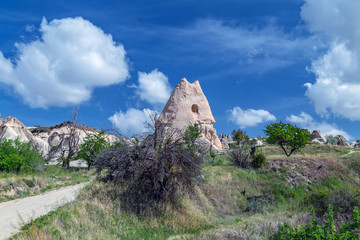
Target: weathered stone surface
[[188, 105], [47, 138], [12, 128], [317, 137], [57, 137], [342, 141], [225, 140], [355, 144]]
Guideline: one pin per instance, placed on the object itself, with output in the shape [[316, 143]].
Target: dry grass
[[217, 207]]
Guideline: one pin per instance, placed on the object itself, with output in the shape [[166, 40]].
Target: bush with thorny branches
[[152, 171]]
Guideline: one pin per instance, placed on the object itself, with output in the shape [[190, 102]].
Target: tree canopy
[[288, 136], [239, 135]]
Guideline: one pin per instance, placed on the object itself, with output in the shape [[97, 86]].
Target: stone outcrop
[[52, 139], [225, 140], [318, 137], [355, 144], [57, 137], [342, 141], [188, 105], [12, 128]]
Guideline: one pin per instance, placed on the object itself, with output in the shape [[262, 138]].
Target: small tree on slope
[[288, 136]]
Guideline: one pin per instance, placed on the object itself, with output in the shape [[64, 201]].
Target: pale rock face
[[12, 128], [318, 137], [342, 141], [188, 105], [225, 140], [355, 144], [46, 138], [57, 137]]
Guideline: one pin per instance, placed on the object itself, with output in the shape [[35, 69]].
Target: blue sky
[[257, 61]]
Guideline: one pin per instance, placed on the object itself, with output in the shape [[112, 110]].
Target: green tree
[[288, 136], [190, 135], [91, 147], [239, 135], [17, 156]]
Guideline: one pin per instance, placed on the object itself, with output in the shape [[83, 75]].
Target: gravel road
[[14, 214]]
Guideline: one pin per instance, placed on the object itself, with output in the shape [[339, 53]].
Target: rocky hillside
[[51, 141]]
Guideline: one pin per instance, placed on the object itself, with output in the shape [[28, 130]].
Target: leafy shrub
[[258, 160], [239, 135], [192, 133], [152, 172], [288, 136], [313, 230], [91, 147], [16, 156], [330, 139]]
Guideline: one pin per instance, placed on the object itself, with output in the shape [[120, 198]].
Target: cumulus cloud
[[71, 57], [154, 87], [304, 120], [337, 86], [132, 121], [249, 117]]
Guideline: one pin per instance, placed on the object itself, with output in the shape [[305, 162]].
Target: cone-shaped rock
[[188, 105]]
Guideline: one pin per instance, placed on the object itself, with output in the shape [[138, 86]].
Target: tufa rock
[[57, 137], [317, 137], [11, 128], [342, 141], [188, 105], [47, 139], [225, 140], [355, 144]]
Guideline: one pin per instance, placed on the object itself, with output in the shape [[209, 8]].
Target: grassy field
[[228, 203], [13, 186]]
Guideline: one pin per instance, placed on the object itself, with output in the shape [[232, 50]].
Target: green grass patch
[[13, 186]]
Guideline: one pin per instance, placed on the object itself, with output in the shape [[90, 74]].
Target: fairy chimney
[[188, 105]]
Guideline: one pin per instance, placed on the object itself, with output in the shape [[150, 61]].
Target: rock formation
[[188, 105], [12, 128], [342, 141], [225, 140], [48, 139], [318, 137], [355, 144], [57, 137]]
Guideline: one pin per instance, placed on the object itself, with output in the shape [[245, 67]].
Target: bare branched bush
[[152, 171], [241, 156]]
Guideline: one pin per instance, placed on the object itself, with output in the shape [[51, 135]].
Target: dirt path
[[16, 213]]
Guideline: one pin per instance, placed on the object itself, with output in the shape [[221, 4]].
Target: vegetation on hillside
[[91, 147], [227, 202], [288, 136], [19, 185], [17, 156]]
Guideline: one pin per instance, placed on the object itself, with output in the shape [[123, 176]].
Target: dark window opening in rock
[[195, 108]]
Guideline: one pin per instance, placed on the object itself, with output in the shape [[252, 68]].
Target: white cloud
[[337, 72], [154, 87], [267, 46], [249, 117], [304, 120], [72, 57], [132, 121]]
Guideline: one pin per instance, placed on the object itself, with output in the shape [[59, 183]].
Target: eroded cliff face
[[57, 137], [51, 141], [188, 105], [12, 128]]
